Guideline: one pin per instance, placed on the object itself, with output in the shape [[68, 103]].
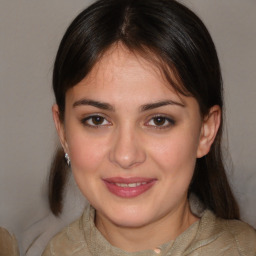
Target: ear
[[209, 129], [59, 127]]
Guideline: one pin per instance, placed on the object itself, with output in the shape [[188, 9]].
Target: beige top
[[209, 236], [8, 244]]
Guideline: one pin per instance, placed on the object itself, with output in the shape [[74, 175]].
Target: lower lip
[[128, 192]]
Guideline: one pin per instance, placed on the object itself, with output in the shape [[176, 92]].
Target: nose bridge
[[126, 150]]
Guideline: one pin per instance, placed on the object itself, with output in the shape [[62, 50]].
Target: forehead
[[119, 67], [127, 82]]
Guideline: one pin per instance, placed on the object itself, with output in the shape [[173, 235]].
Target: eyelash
[[167, 122], [86, 121]]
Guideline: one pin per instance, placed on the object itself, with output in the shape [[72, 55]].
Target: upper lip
[[128, 180]]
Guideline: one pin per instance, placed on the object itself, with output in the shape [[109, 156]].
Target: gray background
[[30, 34]]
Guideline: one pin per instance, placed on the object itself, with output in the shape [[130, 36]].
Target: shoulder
[[232, 237], [243, 235], [8, 243], [67, 241]]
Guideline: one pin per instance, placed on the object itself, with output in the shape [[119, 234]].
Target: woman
[[139, 114]]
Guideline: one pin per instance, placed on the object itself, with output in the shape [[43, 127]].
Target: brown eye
[[95, 121], [160, 122]]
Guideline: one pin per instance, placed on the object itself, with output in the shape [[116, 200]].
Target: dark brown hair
[[173, 38]]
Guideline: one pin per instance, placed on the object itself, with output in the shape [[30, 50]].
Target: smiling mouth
[[129, 188], [130, 185]]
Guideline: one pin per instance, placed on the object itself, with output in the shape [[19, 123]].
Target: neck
[[150, 236]]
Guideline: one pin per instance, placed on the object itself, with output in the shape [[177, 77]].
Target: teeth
[[133, 185], [130, 185], [121, 185]]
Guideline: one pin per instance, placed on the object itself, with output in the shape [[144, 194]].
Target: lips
[[128, 187]]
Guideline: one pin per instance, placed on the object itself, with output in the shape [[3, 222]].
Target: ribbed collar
[[184, 244]]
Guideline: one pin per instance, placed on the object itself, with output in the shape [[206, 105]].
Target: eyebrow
[[161, 104], [107, 106], [94, 103]]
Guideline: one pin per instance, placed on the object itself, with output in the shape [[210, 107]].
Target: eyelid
[[166, 117], [90, 116]]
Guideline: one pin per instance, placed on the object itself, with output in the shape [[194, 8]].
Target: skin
[[134, 137]]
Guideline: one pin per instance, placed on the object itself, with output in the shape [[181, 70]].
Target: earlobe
[[59, 126], [209, 129]]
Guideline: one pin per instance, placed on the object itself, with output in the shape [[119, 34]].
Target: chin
[[129, 217], [130, 222]]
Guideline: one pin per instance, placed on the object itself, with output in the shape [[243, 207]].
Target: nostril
[[127, 154]]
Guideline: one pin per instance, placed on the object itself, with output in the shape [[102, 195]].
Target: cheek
[[176, 153], [86, 152]]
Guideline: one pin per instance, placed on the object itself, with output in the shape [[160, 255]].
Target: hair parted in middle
[[172, 38]]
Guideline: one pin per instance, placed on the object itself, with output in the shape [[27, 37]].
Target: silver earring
[[67, 159]]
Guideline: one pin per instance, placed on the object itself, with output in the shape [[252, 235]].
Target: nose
[[127, 150]]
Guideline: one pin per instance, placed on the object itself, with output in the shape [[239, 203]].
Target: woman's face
[[132, 141]]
